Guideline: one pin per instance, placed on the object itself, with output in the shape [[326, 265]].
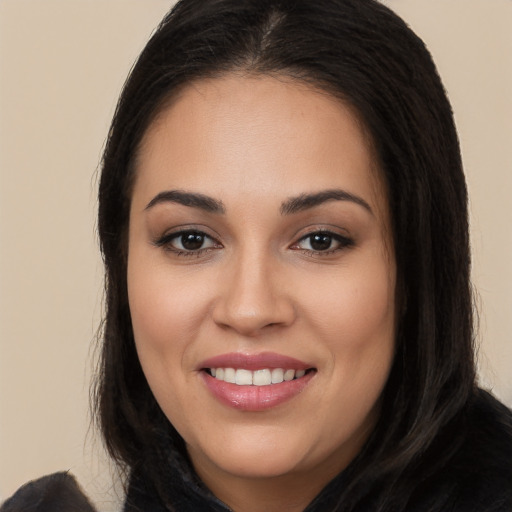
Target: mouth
[[261, 377], [255, 382]]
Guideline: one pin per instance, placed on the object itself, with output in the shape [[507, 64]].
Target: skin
[[256, 284]]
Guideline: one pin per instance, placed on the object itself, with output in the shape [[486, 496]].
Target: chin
[[259, 465], [259, 457], [263, 455]]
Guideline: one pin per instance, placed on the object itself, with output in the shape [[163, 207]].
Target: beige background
[[62, 64]]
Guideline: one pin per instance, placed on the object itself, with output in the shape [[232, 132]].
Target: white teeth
[[289, 375], [229, 375], [263, 377], [243, 377], [277, 375]]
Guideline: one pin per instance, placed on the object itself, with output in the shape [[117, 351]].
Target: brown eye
[[323, 242], [187, 242], [192, 241], [320, 241]]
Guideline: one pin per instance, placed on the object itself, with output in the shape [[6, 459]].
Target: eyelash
[[343, 242], [166, 242]]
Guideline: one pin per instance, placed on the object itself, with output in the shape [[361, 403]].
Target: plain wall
[[62, 65]]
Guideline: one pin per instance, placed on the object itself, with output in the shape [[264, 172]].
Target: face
[[261, 277]]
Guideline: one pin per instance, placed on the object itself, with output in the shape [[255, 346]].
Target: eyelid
[[345, 240], [322, 228], [186, 228], [165, 240]]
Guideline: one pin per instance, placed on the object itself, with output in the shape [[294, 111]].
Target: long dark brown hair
[[362, 53]]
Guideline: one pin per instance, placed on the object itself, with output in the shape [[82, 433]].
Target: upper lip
[[254, 361]]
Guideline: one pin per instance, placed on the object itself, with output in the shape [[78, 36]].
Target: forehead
[[257, 136]]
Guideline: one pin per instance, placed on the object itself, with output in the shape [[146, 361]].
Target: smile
[[262, 377], [255, 382]]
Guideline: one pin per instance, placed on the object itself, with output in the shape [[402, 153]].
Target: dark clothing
[[53, 493], [477, 478]]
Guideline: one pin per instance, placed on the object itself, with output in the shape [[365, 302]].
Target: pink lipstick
[[255, 382]]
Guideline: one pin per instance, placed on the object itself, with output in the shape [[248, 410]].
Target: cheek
[[163, 303], [354, 317], [354, 309], [166, 316], [166, 312], [356, 322]]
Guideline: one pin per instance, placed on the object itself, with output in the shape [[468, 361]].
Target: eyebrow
[[307, 201], [288, 207], [191, 199]]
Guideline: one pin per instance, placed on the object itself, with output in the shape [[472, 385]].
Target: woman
[[283, 220], [253, 139]]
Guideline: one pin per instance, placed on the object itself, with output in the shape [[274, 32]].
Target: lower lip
[[255, 398]]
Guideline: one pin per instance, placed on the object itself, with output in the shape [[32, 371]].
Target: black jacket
[[478, 478]]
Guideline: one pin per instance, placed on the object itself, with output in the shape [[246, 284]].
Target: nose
[[253, 296]]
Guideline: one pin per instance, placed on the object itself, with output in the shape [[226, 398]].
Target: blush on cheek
[[354, 310]]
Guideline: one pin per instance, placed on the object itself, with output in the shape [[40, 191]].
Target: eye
[[187, 242], [325, 242]]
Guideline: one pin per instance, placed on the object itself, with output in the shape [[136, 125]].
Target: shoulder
[[484, 460], [490, 426], [59, 491], [477, 475], [488, 442]]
